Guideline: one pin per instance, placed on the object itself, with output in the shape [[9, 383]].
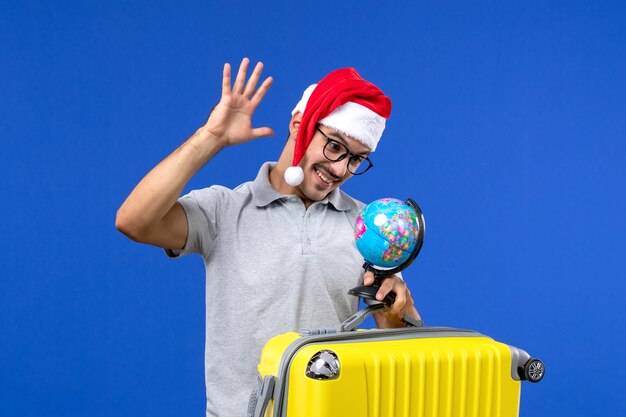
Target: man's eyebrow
[[340, 138], [338, 135]]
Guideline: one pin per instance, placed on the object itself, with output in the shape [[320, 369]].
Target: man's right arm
[[151, 213]]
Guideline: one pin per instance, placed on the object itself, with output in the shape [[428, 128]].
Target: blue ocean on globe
[[386, 232]]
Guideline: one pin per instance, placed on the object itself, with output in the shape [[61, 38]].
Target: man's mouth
[[326, 178]]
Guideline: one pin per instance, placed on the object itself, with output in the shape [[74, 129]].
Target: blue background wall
[[508, 128]]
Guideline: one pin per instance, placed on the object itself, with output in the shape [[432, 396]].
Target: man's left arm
[[392, 315]]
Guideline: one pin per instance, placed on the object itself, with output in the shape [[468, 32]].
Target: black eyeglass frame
[[343, 155]]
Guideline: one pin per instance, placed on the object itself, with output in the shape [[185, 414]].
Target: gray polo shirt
[[272, 266]]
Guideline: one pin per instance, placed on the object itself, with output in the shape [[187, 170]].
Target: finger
[[398, 306], [254, 78], [241, 76], [226, 80], [260, 132], [368, 278], [262, 90], [384, 289], [401, 305]]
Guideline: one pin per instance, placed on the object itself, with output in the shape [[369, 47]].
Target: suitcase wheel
[[534, 370]]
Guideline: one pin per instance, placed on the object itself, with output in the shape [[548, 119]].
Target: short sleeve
[[202, 209]]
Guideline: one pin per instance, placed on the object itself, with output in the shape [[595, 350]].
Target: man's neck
[[277, 180]]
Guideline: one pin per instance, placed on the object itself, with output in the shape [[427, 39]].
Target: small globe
[[386, 232]]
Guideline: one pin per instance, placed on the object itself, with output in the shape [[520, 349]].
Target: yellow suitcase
[[409, 372]]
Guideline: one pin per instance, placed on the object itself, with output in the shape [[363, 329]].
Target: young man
[[279, 251]]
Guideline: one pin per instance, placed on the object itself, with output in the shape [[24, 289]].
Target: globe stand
[[368, 293]]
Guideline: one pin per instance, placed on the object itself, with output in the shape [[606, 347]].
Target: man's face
[[321, 175]]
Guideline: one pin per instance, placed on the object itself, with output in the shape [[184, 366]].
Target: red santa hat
[[342, 101]]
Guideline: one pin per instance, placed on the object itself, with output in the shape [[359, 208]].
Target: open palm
[[231, 119]]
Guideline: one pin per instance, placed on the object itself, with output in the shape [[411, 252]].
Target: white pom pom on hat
[[342, 101], [294, 176]]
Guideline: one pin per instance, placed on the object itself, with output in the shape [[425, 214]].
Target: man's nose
[[340, 168]]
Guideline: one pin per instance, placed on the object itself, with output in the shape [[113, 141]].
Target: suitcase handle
[[353, 321], [265, 394]]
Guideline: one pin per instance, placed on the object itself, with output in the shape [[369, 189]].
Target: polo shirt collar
[[263, 193]]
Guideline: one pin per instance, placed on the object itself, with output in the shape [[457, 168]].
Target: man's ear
[[294, 124]]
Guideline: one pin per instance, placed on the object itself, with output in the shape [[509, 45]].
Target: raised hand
[[230, 122], [151, 213]]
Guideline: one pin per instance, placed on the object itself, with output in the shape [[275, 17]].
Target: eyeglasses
[[336, 151]]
